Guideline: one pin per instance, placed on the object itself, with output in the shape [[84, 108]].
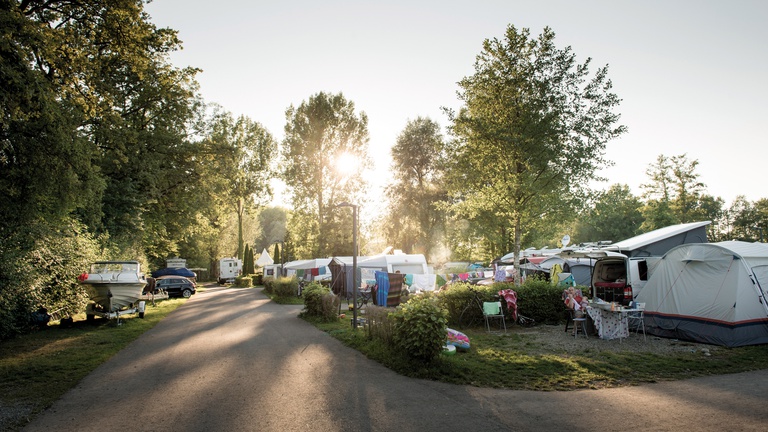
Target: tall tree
[[615, 215], [675, 194], [749, 221], [240, 153], [531, 134], [272, 227], [415, 223], [323, 136]]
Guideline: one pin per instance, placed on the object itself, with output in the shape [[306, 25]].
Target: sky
[[691, 74]]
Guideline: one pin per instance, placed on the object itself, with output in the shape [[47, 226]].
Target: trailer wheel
[[186, 293], [141, 314]]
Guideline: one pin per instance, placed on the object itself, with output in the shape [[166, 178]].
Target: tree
[[531, 134], [749, 221], [272, 227], [415, 221], [615, 215], [240, 153], [675, 195], [323, 135]]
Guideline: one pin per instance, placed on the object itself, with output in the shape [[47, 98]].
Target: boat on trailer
[[114, 288]]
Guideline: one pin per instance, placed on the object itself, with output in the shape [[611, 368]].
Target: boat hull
[[114, 296], [114, 285]]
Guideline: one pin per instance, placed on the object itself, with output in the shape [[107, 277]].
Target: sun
[[346, 164]]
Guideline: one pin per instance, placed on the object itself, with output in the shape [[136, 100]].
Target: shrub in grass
[[243, 281], [378, 325], [419, 328], [538, 299], [285, 286], [459, 295], [269, 285], [320, 302]]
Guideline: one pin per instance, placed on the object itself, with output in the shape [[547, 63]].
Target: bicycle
[[472, 313]]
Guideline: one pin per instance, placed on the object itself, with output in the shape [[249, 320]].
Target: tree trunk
[[240, 210], [518, 226]]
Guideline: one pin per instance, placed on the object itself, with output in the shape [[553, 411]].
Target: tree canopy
[[532, 131], [414, 221], [323, 135]]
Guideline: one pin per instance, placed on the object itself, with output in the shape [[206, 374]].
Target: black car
[[175, 286]]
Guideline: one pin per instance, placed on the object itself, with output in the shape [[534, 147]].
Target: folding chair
[[635, 319], [580, 325], [493, 310]]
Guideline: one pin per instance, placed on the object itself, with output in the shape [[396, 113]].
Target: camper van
[[229, 269], [615, 277], [622, 269]]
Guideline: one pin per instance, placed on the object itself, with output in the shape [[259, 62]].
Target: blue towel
[[382, 288]]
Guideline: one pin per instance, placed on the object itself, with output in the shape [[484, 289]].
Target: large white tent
[[710, 292]]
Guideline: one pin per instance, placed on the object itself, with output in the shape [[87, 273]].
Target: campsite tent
[[303, 267], [580, 268], [710, 292]]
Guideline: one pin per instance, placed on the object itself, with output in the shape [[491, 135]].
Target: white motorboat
[[113, 285]]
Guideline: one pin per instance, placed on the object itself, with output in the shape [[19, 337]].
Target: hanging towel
[[409, 279], [382, 288], [395, 288], [464, 276], [500, 276], [322, 270], [424, 282], [441, 281], [300, 273], [510, 296], [315, 271]]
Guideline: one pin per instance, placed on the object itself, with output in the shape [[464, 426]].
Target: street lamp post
[[354, 261]]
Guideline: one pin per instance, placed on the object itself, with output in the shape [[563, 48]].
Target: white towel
[[424, 282]]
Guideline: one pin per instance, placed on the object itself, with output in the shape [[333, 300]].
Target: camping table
[[609, 324]]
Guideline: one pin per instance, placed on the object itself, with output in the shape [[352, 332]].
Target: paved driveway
[[230, 360]]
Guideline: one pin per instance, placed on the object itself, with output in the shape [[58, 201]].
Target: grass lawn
[[521, 362], [38, 368]]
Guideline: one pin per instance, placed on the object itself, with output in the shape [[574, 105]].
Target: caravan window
[[642, 268]]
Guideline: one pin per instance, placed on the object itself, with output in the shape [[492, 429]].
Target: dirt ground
[[555, 338]]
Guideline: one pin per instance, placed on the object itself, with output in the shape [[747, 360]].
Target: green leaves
[[532, 132]]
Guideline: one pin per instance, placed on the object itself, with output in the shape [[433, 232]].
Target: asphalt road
[[231, 360]]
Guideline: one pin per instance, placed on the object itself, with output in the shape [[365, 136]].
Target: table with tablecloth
[[609, 324]]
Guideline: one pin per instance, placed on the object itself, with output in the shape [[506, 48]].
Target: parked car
[[175, 286], [183, 271]]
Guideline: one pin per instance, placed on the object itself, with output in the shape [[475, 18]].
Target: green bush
[[536, 298], [243, 281], [455, 298], [419, 328], [285, 287], [269, 285], [320, 302], [39, 266]]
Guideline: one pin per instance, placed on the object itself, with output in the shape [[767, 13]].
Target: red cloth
[[315, 271], [510, 296]]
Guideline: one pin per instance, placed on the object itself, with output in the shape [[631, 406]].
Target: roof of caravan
[[383, 260], [656, 235], [307, 264]]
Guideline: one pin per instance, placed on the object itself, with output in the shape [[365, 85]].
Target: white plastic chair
[[493, 310]]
